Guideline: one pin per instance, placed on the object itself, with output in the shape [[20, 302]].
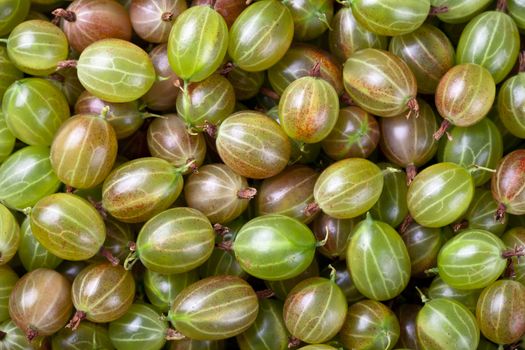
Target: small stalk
[[436, 10], [265, 293], [475, 167], [501, 6], [411, 173], [227, 246], [432, 271], [316, 70], [226, 69], [522, 62], [109, 256], [221, 230], [500, 213], [293, 342], [463, 224], [407, 221], [2, 335], [67, 64], [390, 170], [167, 16], [75, 321], [172, 334], [346, 99], [132, 258], [333, 273], [442, 129], [98, 206], [269, 93], [67, 15], [422, 295], [210, 129], [325, 239], [31, 333], [413, 108], [321, 16], [247, 193], [311, 209]]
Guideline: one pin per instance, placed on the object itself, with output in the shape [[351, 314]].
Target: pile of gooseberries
[[262, 175]]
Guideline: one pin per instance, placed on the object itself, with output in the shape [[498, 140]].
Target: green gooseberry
[[197, 43], [9, 235], [460, 11], [261, 35], [480, 214], [378, 260], [115, 70], [87, 336], [162, 289], [140, 189], [8, 71], [140, 327], [32, 254], [68, 226], [7, 139], [274, 247], [26, 177], [315, 310], [311, 18], [34, 109], [348, 188], [472, 259], [440, 194], [36, 47], [444, 323], [8, 279], [510, 105], [515, 237], [13, 12], [174, 241], [282, 288], [268, 331], [391, 207], [423, 245], [14, 337], [211, 320], [440, 289]]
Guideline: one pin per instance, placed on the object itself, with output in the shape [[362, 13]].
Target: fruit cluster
[[220, 174]]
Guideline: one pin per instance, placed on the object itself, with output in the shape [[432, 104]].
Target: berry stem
[[75, 321], [67, 15], [31, 333], [270, 93], [172, 334], [210, 129], [333, 273], [2, 335], [434, 11], [293, 342], [517, 251], [422, 295], [226, 69], [99, 207], [411, 173], [407, 221], [311, 209], [475, 167], [413, 107], [442, 129], [346, 99], [247, 193], [265, 293], [132, 258], [220, 229], [500, 213], [3, 40], [316, 70], [109, 256], [522, 62], [227, 246], [325, 239], [463, 224], [501, 6], [67, 64], [167, 16]]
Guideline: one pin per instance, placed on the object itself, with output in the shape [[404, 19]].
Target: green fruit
[[218, 192], [516, 9], [34, 109], [479, 144], [465, 94], [102, 292], [175, 241], [282, 288], [440, 289], [26, 177], [31, 253], [511, 99], [308, 109], [472, 259], [140, 189], [480, 214], [440, 194], [211, 320], [446, 324], [140, 327], [253, 145], [87, 336], [288, 193], [344, 280], [355, 134], [8, 279], [370, 325], [380, 82], [348, 188], [391, 17], [208, 101], [36, 47], [115, 70], [7, 140], [68, 226], [423, 245], [197, 43], [391, 207], [298, 62], [162, 289], [460, 11], [40, 303], [348, 36], [274, 247], [168, 139], [268, 331], [500, 312], [14, 337], [261, 35], [13, 12], [315, 310], [378, 260], [9, 235], [8, 71], [84, 151], [429, 54], [311, 18], [491, 40]]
